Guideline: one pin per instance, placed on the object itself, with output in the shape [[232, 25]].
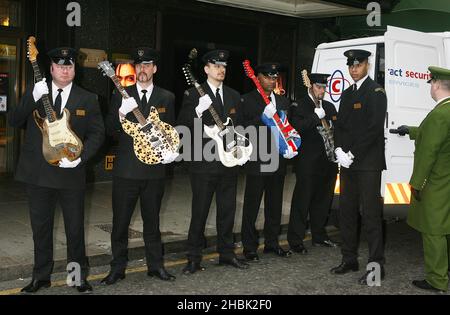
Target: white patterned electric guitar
[[153, 139]]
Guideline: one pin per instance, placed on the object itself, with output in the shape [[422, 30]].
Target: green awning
[[419, 15]]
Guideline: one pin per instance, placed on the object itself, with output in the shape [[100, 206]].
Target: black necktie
[[219, 98], [144, 98], [57, 104], [354, 87]]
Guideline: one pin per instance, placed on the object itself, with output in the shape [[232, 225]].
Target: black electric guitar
[[325, 130], [233, 148]]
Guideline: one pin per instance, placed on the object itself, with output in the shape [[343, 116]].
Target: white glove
[[320, 112], [128, 105], [270, 110], [203, 104], [350, 154], [289, 153], [170, 158], [242, 162], [40, 89], [343, 158], [65, 163]]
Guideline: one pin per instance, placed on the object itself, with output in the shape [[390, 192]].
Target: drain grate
[[132, 234]]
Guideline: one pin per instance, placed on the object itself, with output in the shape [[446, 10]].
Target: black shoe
[[251, 256], [113, 277], [236, 263], [300, 249], [277, 251], [424, 285], [84, 287], [363, 279], [326, 243], [35, 286], [192, 267], [345, 268], [162, 274]]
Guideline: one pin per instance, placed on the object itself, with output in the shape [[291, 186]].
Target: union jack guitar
[[281, 128]]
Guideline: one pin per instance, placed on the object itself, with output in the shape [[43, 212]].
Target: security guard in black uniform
[[359, 142], [133, 179], [206, 177], [316, 175], [47, 184], [260, 181]]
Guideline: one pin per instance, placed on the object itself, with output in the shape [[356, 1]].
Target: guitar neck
[[316, 102], [260, 90], [45, 99], [137, 113], [211, 109]]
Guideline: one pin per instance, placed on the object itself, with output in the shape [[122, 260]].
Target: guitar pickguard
[[58, 140]]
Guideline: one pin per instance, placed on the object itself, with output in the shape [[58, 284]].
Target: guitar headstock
[[32, 51], [193, 54], [189, 75], [306, 80], [248, 69], [107, 68]]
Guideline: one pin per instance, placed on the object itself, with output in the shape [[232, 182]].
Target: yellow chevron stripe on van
[[395, 193]]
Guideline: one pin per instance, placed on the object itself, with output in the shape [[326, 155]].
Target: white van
[[399, 62]]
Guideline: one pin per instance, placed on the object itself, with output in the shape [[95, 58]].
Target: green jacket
[[431, 173]]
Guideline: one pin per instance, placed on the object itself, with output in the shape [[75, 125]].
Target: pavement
[[296, 275], [16, 244]]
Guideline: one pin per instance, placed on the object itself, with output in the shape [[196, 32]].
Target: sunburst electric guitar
[[58, 140], [233, 148], [153, 139], [279, 125]]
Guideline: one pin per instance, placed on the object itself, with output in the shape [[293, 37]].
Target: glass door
[[9, 66]]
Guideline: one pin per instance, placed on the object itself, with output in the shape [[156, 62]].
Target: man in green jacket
[[429, 212]]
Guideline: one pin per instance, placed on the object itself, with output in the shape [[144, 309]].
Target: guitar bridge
[[231, 145], [156, 144]]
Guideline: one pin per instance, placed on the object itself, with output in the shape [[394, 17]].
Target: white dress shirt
[[64, 94]]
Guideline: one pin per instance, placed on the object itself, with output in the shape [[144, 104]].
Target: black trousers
[[272, 188], [126, 193], [361, 190], [42, 203], [203, 188], [313, 194]]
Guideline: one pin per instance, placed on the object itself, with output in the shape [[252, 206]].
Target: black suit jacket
[[360, 126], [312, 158], [249, 114], [187, 116], [126, 164], [86, 121]]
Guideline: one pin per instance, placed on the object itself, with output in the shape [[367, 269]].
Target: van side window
[[380, 68]]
